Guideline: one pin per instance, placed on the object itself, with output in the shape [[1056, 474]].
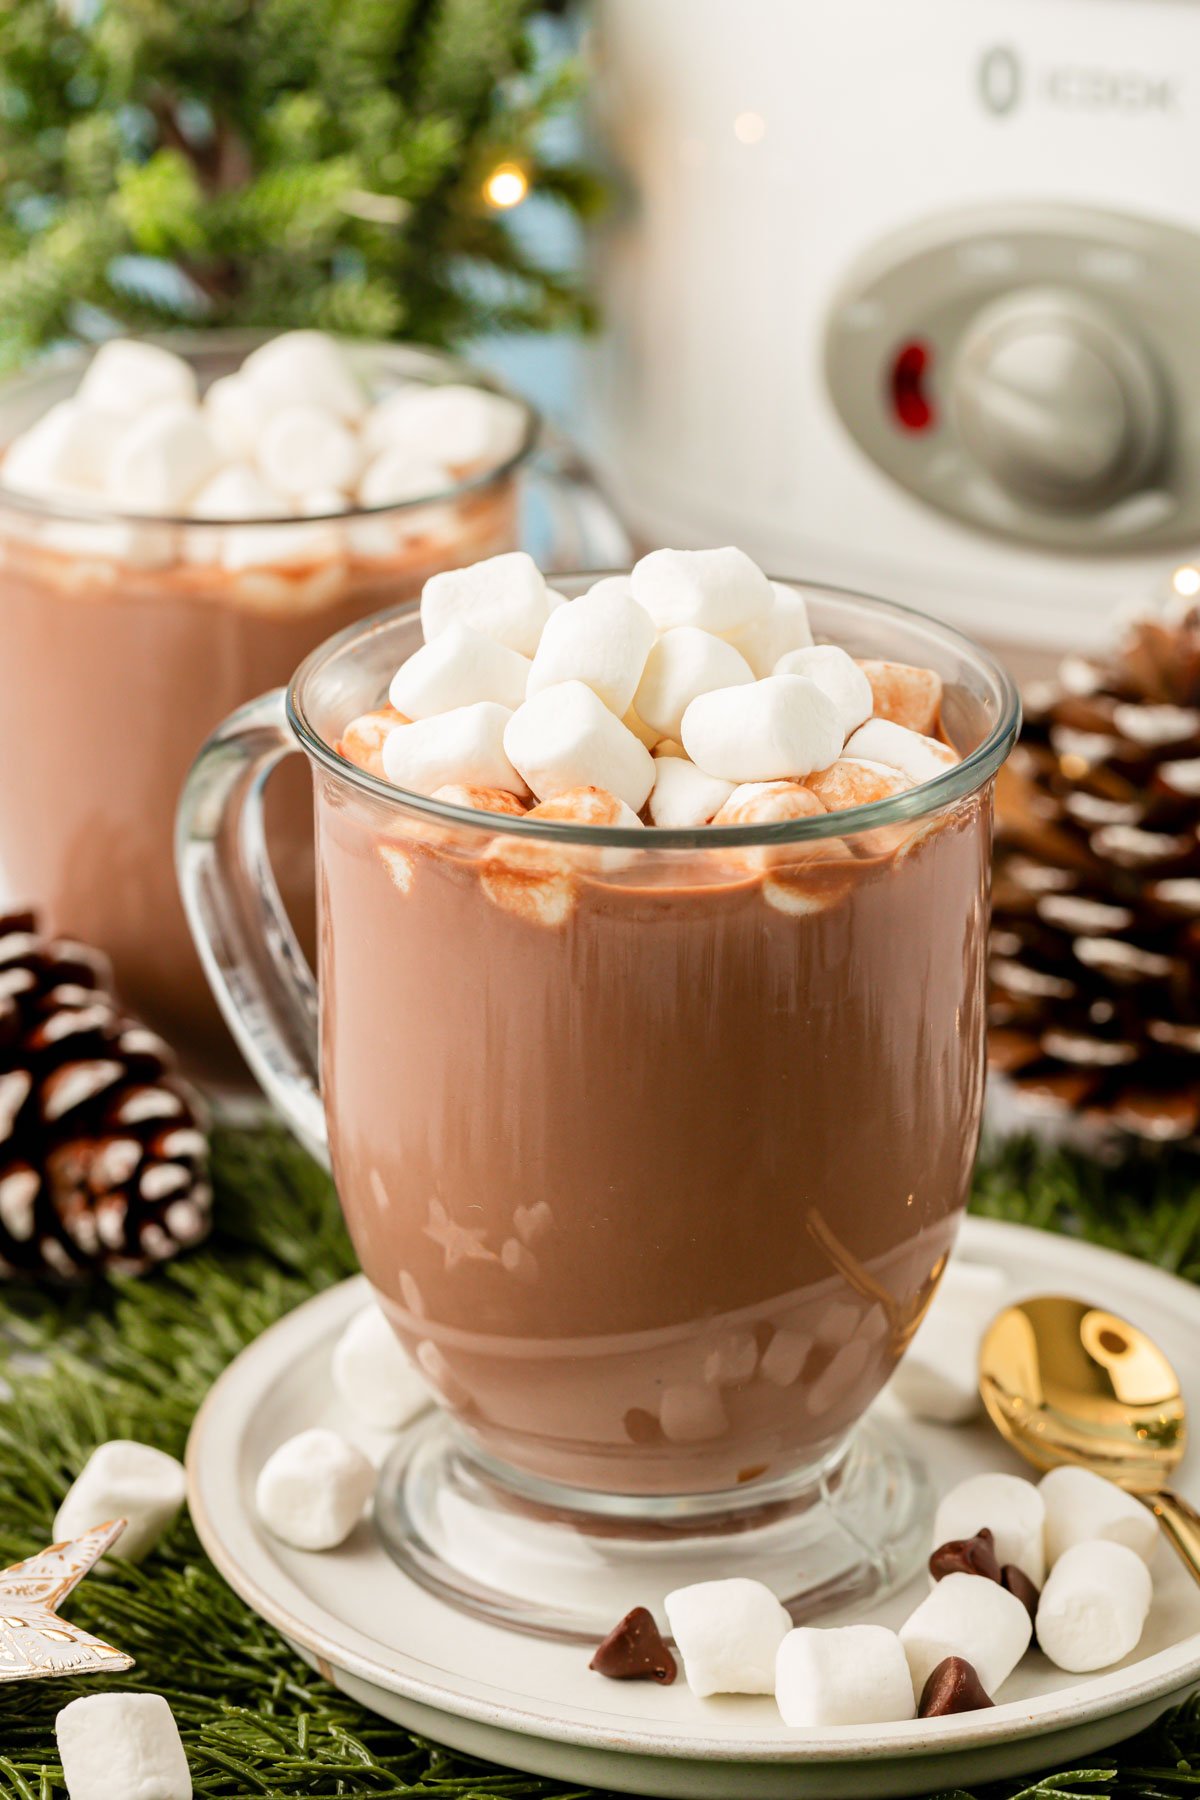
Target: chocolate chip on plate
[[1019, 1585], [953, 1687], [634, 1651], [966, 1556]]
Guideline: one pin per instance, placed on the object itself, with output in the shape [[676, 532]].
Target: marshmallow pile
[[289, 440], [689, 693], [995, 1538], [311, 1491]]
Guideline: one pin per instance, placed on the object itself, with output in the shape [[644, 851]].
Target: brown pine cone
[[103, 1160], [1095, 960]]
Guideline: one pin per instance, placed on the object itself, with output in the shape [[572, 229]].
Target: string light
[[1186, 582], [506, 186], [749, 128]]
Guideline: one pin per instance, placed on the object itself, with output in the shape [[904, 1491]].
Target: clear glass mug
[[652, 1146], [126, 643]]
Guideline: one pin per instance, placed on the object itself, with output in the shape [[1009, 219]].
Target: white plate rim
[[1161, 1676]]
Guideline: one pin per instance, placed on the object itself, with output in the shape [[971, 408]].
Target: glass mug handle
[[254, 965], [567, 523]]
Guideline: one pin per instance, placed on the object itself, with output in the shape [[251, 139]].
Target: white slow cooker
[[906, 294]]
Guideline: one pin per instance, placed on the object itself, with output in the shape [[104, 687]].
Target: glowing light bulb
[[749, 128], [1186, 582], [506, 186]]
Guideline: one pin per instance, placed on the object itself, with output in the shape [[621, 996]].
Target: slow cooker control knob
[[1057, 400]]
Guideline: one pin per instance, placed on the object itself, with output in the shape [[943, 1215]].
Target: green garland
[[136, 1359]]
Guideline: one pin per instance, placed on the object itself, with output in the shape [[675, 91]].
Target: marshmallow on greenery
[[122, 1746], [124, 1480]]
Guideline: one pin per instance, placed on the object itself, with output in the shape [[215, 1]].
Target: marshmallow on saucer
[[838, 675], [304, 366], [728, 1635], [302, 447], [683, 795], [683, 663], [235, 415], [458, 668], [785, 726], [852, 782], [1094, 1605], [311, 1492], [161, 459], [127, 377], [121, 1746], [373, 1375], [459, 426], [124, 1480], [601, 639], [565, 737], [785, 627], [465, 745], [970, 1617], [847, 1675], [1081, 1506], [906, 695], [236, 492], [938, 1375], [68, 447], [504, 597], [1013, 1511], [716, 590], [920, 758]]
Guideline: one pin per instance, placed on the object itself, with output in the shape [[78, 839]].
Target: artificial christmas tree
[[339, 163], [103, 1164], [1095, 966]]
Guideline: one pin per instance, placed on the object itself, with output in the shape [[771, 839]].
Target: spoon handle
[[1181, 1523]]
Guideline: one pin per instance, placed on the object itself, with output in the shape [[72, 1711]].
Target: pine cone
[[1095, 953], [102, 1157]]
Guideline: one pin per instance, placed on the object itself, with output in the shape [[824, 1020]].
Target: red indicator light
[[910, 378]]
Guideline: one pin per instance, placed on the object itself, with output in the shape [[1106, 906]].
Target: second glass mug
[[652, 1145]]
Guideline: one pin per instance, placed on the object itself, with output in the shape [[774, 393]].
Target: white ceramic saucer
[[535, 1705]]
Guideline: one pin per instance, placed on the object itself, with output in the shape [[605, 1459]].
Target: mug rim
[[189, 344], [966, 777]]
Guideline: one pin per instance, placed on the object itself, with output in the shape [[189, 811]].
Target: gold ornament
[[34, 1641]]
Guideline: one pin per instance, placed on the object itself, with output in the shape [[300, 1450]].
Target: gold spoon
[[1065, 1382]]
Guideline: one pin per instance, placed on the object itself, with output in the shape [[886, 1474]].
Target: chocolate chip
[[1019, 1585], [953, 1687], [634, 1651], [966, 1556]]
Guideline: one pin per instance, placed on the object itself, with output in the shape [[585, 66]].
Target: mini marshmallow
[[920, 758], [851, 782], [1082, 1506], [304, 366], [458, 668], [68, 448], [303, 447], [785, 627], [588, 806], [322, 502], [837, 675], [683, 664], [565, 737], [784, 726], [127, 377], [236, 492], [1013, 1511], [848, 1675], [971, 1617], [124, 1480], [715, 590], [504, 597], [904, 694], [460, 427], [601, 639], [373, 1375], [363, 739], [938, 1376], [1093, 1607], [160, 460], [253, 546], [480, 799], [464, 745], [690, 1412], [141, 545], [311, 1492], [397, 479], [728, 1635], [768, 803], [235, 415], [121, 1746], [683, 796]]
